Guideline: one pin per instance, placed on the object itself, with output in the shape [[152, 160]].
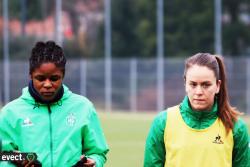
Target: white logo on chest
[[27, 122], [71, 119]]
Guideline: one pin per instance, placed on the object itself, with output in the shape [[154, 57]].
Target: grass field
[[126, 134]]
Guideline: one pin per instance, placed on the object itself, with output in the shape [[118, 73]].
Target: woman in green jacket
[[204, 130], [48, 119]]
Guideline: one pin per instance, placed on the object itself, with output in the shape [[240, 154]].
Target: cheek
[[57, 84], [212, 91], [188, 90], [210, 95], [37, 85], [186, 87]]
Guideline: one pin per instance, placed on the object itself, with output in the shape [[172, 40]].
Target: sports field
[[126, 134]]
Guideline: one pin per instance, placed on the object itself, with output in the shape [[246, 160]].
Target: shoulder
[[77, 99], [239, 126], [173, 110], [11, 110], [13, 105], [80, 98], [161, 117], [240, 130], [73, 97], [159, 121], [81, 103]]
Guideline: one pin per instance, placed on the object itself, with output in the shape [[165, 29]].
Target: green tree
[[236, 33], [34, 10], [125, 41], [188, 27]]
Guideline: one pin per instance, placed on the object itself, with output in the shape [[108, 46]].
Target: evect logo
[[17, 156]]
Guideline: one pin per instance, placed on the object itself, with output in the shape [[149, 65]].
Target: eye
[[55, 78], [193, 84], [205, 85], [40, 78]]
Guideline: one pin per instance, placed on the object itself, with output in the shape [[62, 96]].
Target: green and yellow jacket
[[58, 133], [155, 151]]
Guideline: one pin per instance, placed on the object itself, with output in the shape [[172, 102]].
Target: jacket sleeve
[[94, 143], [241, 149], [154, 155], [7, 131], [7, 135]]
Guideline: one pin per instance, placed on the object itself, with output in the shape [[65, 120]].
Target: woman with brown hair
[[204, 129]]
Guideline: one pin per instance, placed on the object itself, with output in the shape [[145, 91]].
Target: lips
[[47, 93], [199, 99]]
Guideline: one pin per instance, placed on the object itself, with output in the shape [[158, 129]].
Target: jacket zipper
[[50, 132]]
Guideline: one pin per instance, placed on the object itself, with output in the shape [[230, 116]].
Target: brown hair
[[226, 113]]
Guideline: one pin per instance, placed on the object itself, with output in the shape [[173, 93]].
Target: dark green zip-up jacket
[[59, 133], [155, 148]]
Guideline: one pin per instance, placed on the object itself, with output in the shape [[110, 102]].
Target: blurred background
[[123, 54], [127, 55]]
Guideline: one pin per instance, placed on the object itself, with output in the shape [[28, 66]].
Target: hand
[[89, 163], [85, 162], [26, 163]]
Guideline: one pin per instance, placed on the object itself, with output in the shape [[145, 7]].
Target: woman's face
[[201, 86], [47, 79]]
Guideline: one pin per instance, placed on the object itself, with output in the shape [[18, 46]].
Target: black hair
[[47, 52]]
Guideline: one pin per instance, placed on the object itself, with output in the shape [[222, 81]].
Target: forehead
[[200, 73], [47, 69]]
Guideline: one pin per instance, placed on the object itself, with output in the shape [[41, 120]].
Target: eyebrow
[[39, 76], [46, 75], [201, 82]]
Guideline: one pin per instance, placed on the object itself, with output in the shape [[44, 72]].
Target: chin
[[48, 98], [199, 108]]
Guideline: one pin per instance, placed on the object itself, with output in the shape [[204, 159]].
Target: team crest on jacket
[[71, 119]]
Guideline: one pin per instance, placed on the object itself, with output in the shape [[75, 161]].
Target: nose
[[47, 84], [198, 90]]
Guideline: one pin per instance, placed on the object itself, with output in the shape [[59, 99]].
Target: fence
[[134, 82]]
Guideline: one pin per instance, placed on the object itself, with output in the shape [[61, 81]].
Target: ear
[[218, 86], [184, 79], [31, 76], [185, 86]]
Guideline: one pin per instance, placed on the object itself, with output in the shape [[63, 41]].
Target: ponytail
[[227, 113]]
